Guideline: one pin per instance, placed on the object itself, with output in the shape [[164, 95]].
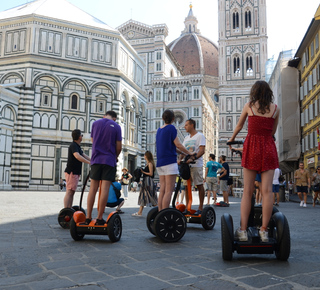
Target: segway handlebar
[[239, 142]]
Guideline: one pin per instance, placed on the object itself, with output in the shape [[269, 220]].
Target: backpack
[[137, 174], [116, 190]]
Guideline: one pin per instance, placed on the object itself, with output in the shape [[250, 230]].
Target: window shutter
[[309, 83], [305, 88], [303, 60], [306, 143], [301, 93], [302, 119], [311, 140], [302, 143], [310, 112], [316, 108], [306, 119], [314, 76], [315, 139]]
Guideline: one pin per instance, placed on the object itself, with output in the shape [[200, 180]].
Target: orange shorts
[[71, 180]]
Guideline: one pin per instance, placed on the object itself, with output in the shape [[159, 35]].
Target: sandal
[[87, 221], [136, 214], [101, 222], [119, 211]]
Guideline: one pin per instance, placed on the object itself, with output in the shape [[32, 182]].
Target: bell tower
[[242, 58]]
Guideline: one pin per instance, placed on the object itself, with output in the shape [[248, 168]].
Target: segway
[[65, 215], [170, 224], [112, 227], [278, 232]]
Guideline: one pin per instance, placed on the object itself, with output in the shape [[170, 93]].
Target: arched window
[[235, 20], [74, 102], [249, 67], [236, 66], [247, 20]]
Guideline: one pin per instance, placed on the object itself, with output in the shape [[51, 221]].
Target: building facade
[[62, 69], [174, 79], [242, 59], [309, 67]]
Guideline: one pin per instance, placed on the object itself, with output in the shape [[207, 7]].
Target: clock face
[[130, 34]]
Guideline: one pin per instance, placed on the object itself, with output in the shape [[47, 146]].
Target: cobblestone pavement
[[36, 253]]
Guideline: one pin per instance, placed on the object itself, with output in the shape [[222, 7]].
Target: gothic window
[[158, 66], [150, 97], [249, 68], [247, 20], [158, 113], [74, 102], [196, 94], [236, 66], [196, 112], [158, 96], [235, 20], [158, 55]]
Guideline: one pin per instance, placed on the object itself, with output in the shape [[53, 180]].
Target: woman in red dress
[[259, 154]]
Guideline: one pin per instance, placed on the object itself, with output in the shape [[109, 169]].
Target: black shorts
[[302, 189], [103, 172]]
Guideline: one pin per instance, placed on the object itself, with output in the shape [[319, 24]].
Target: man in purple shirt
[[106, 146]]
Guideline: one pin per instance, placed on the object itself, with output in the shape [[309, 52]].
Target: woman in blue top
[[167, 143]]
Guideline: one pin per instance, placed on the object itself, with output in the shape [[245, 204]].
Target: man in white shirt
[[195, 142], [275, 186]]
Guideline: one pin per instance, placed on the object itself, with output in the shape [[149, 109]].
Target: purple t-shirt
[[105, 133], [166, 150]]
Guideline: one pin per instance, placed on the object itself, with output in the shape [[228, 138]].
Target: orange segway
[[207, 218], [112, 227]]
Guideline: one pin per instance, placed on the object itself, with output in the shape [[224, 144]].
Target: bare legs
[[266, 192], [201, 195], [105, 185], [68, 198], [166, 188]]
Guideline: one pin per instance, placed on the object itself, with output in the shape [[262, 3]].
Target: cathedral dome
[[195, 53]]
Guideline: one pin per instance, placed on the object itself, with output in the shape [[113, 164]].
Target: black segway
[[278, 231], [170, 224], [78, 227], [65, 215]]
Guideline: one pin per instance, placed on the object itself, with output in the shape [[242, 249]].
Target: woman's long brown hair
[[149, 157], [261, 93]]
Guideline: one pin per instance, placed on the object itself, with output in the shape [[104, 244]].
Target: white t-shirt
[[193, 144], [276, 175]]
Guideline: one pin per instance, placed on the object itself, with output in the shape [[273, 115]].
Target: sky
[[287, 20]]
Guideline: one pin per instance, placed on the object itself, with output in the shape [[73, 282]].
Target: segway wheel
[[65, 216], [208, 218], [170, 225], [114, 228], [227, 237], [76, 208], [73, 231], [282, 236], [150, 219]]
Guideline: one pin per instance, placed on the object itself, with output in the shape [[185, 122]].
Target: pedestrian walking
[[276, 186], [316, 185], [125, 181], [259, 154], [223, 178], [74, 167], [148, 195], [302, 181], [211, 178], [106, 146]]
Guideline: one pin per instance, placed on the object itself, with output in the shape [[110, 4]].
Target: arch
[[126, 94], [136, 103], [54, 78], [9, 113], [86, 88], [143, 109], [73, 123], [81, 124], [65, 123], [36, 120], [113, 93], [53, 122], [44, 121], [11, 74]]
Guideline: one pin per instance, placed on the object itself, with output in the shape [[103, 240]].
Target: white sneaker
[[264, 236], [242, 236], [301, 203], [304, 205]]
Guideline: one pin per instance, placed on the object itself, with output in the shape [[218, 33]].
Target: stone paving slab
[[36, 253]]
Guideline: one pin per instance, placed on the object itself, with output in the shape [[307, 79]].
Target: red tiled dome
[[196, 54]]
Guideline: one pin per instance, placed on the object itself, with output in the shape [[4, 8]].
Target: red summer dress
[[259, 149]]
